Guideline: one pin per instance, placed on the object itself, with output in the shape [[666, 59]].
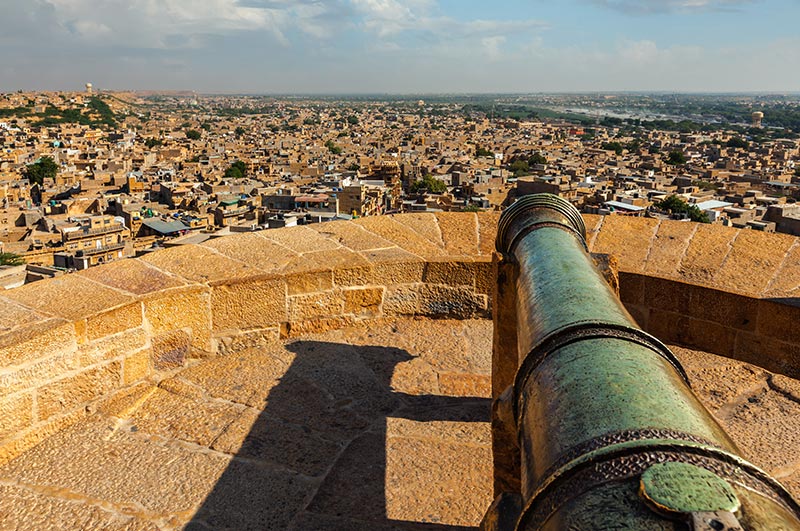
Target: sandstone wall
[[67, 344]]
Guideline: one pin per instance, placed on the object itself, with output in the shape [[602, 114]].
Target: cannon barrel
[[610, 434]]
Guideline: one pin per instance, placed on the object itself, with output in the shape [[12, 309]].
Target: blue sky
[[393, 46]]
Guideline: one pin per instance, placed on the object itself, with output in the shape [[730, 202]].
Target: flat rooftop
[[383, 425]]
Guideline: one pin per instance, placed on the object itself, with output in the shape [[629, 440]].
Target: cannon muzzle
[[608, 433]]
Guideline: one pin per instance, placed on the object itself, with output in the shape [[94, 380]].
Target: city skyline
[[386, 46]]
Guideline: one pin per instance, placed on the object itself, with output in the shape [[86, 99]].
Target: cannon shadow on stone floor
[[320, 456]]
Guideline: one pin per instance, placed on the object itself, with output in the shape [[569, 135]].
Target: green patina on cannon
[[600, 429]]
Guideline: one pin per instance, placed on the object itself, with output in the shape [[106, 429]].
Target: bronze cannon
[[599, 428]]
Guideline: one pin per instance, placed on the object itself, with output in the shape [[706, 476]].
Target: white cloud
[[662, 6]]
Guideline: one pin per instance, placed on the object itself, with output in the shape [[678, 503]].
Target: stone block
[[705, 254], [363, 302], [485, 278], [70, 297], [176, 310], [136, 366], [666, 295], [786, 282], [769, 353], [753, 261], [16, 412], [200, 264], [301, 239], [424, 224], [464, 384], [170, 350], [680, 329], [405, 233], [237, 342], [445, 301], [253, 249], [728, 309], [36, 341], [450, 272], [254, 304], [304, 307], [401, 300], [608, 267], [314, 326], [27, 439], [415, 377], [459, 232], [351, 235], [25, 509], [134, 276], [354, 276], [632, 288], [487, 231], [627, 238], [64, 395], [309, 282], [110, 347], [114, 321], [669, 245], [13, 315], [395, 266], [37, 372], [780, 321]]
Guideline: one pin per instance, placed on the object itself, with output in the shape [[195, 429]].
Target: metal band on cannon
[[608, 433]]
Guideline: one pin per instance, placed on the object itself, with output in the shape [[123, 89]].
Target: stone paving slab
[[380, 426]]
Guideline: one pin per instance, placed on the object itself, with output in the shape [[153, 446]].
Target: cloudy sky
[[394, 46]]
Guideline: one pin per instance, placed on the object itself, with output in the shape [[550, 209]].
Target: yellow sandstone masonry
[[459, 233], [114, 321], [70, 297], [64, 395], [362, 302], [707, 250], [748, 269], [628, 239], [669, 245], [250, 304], [16, 412], [175, 310], [36, 341], [133, 276]]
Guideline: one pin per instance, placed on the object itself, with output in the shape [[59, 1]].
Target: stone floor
[[382, 426]]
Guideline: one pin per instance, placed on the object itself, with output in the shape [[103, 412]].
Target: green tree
[[193, 134], [352, 119], [537, 158], [676, 205], [40, 170], [353, 167], [483, 152], [737, 142], [152, 142], [239, 131], [616, 147], [472, 208], [676, 158], [430, 184], [237, 170], [519, 167], [333, 148], [10, 259]]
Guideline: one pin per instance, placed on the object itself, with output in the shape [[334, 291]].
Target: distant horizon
[[399, 47], [98, 91]]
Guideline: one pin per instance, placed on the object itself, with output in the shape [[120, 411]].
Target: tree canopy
[[40, 170], [237, 170], [193, 134], [429, 183], [10, 259], [676, 158], [676, 205]]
